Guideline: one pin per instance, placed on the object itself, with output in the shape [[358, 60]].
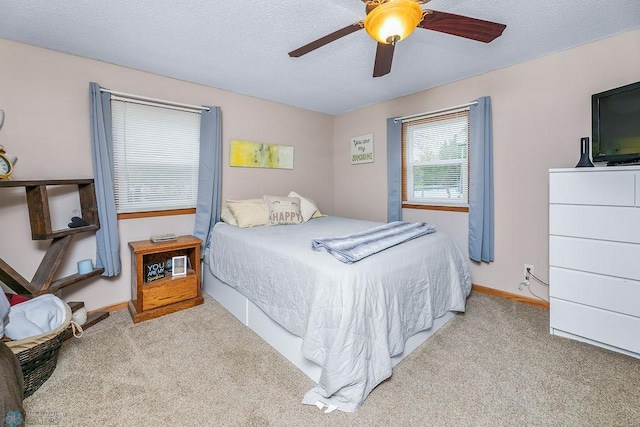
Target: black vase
[[585, 161]]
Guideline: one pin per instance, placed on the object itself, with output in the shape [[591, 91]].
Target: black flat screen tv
[[616, 125]]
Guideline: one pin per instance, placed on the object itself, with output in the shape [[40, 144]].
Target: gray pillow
[[283, 210]]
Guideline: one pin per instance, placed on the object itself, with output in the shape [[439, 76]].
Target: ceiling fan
[[389, 21]]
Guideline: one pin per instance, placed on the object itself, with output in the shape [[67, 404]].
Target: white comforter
[[352, 317]]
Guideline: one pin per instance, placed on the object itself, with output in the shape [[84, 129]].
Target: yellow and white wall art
[[256, 155]]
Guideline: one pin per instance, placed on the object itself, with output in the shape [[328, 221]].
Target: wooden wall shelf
[[40, 220], [38, 203]]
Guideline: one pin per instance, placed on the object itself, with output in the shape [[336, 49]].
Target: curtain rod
[[159, 101], [415, 116]]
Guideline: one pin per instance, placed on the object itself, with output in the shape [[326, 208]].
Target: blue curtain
[[481, 233], [394, 170], [107, 240], [210, 175]]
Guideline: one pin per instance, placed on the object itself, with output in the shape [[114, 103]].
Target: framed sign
[[179, 266], [362, 149], [153, 271]]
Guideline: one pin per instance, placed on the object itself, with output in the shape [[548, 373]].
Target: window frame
[[407, 178]]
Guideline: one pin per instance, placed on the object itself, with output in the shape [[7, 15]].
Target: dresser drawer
[[618, 330], [610, 293], [595, 256], [616, 223], [609, 188]]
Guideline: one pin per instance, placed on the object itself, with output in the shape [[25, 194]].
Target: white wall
[[45, 96], [541, 108]]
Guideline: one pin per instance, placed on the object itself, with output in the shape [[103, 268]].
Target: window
[[156, 152], [435, 167]]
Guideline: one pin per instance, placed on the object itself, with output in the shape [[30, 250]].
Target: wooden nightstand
[[150, 299]]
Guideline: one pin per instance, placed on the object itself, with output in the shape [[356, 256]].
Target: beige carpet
[[494, 365]]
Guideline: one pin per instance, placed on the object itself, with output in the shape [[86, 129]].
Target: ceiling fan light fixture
[[393, 21]]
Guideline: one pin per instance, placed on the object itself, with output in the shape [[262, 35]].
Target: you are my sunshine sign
[[362, 149]]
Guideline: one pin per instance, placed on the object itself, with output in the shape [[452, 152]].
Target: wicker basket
[[38, 355]]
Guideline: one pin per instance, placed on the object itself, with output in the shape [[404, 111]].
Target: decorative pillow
[[283, 210], [227, 217], [307, 207], [249, 212]]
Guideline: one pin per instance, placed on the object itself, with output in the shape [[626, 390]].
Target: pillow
[[318, 214], [283, 210], [307, 207], [249, 212], [227, 216]]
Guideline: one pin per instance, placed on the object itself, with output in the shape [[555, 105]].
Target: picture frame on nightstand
[[179, 266]]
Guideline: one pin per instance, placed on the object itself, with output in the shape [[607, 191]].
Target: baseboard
[[474, 287], [508, 295], [111, 308]]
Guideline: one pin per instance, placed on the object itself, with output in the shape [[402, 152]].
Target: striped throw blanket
[[354, 247]]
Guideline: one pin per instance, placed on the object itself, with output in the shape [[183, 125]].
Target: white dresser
[[594, 256]]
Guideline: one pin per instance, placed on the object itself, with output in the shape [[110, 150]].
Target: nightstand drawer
[[167, 292]]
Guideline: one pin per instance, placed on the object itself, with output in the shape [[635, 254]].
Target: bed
[[344, 325]]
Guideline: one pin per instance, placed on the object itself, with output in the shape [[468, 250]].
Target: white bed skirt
[[286, 343]]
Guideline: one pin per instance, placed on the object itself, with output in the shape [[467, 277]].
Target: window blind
[[435, 167], [156, 152]]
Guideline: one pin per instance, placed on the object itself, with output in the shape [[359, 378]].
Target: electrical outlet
[[527, 271]]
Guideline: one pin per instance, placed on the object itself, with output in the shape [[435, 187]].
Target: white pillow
[[307, 207], [249, 213], [227, 217]]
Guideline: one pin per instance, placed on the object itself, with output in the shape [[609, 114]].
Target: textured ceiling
[[242, 46]]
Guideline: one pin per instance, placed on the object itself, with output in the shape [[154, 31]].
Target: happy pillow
[[283, 210]]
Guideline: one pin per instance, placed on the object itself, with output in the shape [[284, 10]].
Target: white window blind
[[435, 159], [156, 152]]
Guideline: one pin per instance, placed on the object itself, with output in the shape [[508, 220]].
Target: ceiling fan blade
[[462, 26], [326, 39], [384, 57]]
